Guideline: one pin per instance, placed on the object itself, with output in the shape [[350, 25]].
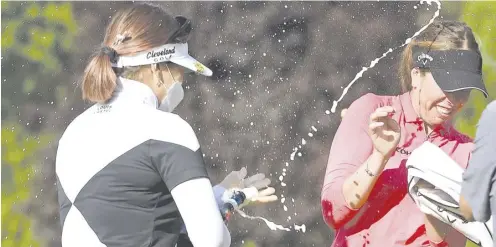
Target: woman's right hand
[[384, 131]]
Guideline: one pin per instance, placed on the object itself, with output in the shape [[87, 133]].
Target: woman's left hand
[[238, 180], [260, 192]]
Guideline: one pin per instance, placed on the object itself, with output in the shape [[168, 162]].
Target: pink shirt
[[389, 217]]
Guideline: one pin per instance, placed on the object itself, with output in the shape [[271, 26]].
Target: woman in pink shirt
[[364, 196]]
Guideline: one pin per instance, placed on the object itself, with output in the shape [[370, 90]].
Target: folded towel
[[434, 183]]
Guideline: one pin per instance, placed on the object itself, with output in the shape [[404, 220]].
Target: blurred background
[[277, 68]]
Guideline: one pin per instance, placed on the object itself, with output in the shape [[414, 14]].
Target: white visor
[[175, 53]]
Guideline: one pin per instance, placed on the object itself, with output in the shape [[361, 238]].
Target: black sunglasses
[[181, 35]]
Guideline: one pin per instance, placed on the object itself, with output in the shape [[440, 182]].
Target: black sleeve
[[479, 180], [184, 241], [175, 163]]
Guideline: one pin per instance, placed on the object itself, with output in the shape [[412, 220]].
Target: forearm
[[466, 210], [218, 192], [357, 187], [205, 227], [441, 234]]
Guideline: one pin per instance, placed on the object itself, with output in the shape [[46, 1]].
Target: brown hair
[[440, 35], [143, 26]]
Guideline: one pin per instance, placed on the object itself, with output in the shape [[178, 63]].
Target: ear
[[156, 74], [415, 75], [155, 68]]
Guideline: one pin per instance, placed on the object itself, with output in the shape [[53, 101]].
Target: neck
[[139, 92], [428, 129], [415, 97]]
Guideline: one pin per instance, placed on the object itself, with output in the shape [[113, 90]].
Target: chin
[[433, 118], [441, 120], [433, 121]]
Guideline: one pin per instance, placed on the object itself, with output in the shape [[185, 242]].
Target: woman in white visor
[[129, 172]]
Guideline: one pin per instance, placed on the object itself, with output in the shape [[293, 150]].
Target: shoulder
[[366, 104], [491, 107], [171, 128], [170, 120], [368, 99], [484, 137], [371, 101], [78, 125]]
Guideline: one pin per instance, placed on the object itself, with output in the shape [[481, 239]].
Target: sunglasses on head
[[181, 35]]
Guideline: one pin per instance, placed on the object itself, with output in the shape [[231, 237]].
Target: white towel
[[434, 183]]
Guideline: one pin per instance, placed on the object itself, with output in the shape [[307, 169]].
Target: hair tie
[[111, 53]]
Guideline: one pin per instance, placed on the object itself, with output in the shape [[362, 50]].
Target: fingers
[[390, 132], [263, 196], [387, 108], [265, 199], [266, 195], [267, 192], [260, 184], [381, 118], [250, 180], [343, 112], [374, 125], [242, 173], [381, 112]]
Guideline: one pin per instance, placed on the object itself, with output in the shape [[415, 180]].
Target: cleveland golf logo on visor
[[174, 53], [157, 56]]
